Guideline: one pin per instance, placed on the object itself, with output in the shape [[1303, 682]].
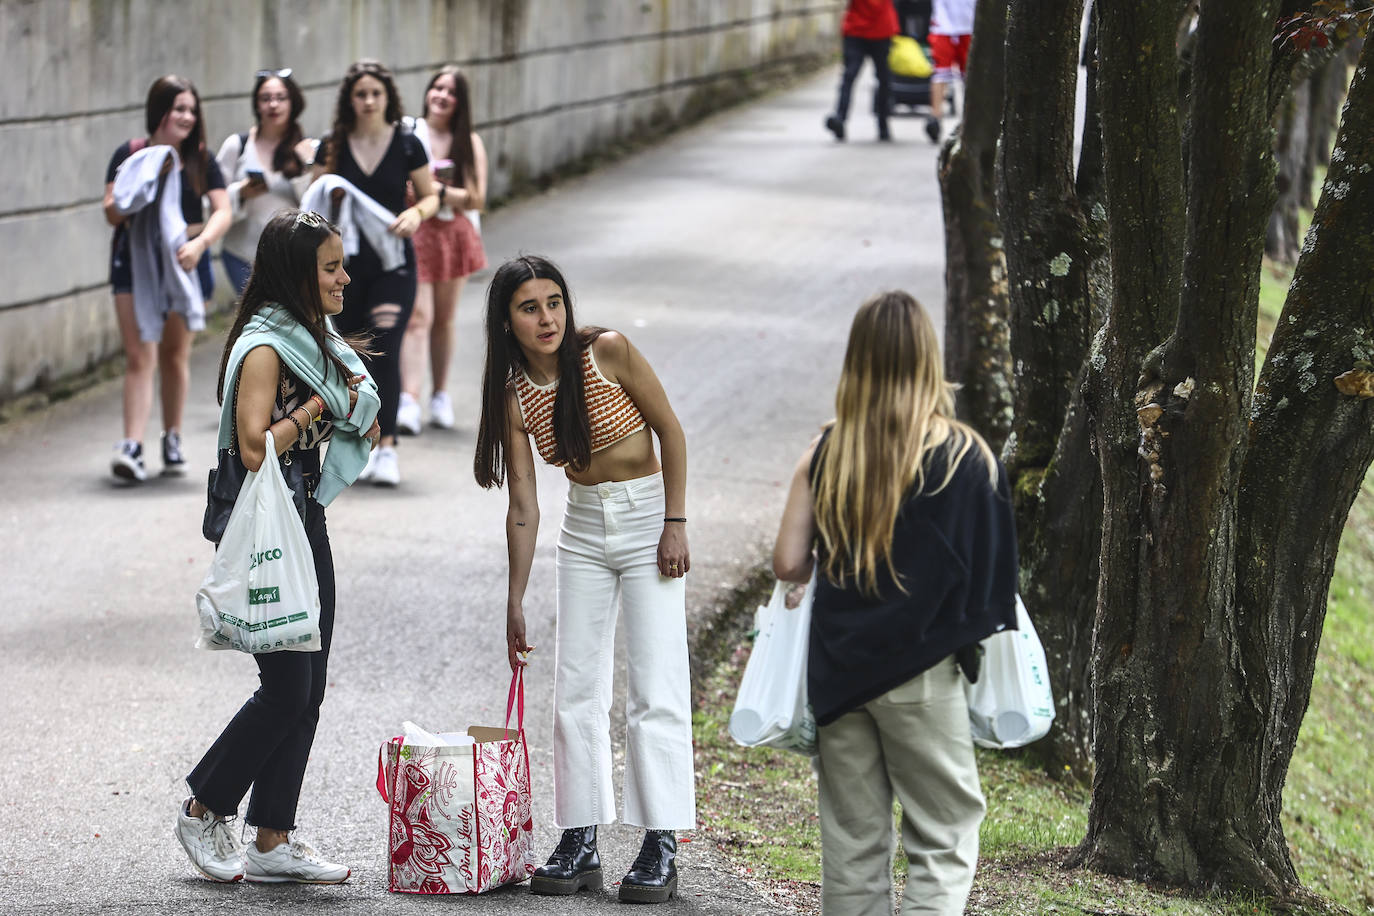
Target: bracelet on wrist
[[679, 520], [300, 430]]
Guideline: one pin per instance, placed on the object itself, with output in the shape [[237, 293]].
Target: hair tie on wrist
[[682, 520]]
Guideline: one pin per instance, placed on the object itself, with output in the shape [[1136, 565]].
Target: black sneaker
[[835, 126], [933, 129], [173, 459], [127, 463]]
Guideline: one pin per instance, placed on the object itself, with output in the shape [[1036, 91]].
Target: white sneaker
[[210, 843], [408, 416], [441, 410], [386, 470], [292, 861], [370, 468]]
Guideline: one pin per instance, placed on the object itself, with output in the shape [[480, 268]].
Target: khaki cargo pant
[[912, 741]]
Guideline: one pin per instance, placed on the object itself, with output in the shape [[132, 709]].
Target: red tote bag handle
[[381, 766], [515, 700]]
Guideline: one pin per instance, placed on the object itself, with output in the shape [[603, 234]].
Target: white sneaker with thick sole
[[441, 410], [408, 416], [293, 861], [386, 469], [210, 843]]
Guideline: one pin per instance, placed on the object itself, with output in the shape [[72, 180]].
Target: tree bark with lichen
[[1223, 508], [977, 344]]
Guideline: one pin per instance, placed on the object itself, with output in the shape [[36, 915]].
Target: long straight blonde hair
[[892, 408]]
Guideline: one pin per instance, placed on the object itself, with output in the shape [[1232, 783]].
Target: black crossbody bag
[[226, 480]]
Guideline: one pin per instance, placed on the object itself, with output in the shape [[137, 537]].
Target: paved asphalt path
[[733, 254]]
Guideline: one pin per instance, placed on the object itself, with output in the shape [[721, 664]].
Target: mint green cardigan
[[347, 450]]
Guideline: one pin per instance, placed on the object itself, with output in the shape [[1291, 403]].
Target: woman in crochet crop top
[[593, 405]]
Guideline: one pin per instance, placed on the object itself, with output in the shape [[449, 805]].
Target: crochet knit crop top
[[612, 413]]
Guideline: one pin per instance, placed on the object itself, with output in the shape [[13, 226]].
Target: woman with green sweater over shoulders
[[285, 370]]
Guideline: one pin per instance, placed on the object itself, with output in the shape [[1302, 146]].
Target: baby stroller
[[911, 89]]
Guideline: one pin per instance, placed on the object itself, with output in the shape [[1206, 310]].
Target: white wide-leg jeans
[[608, 556]]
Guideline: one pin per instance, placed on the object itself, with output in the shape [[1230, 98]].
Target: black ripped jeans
[[267, 743], [371, 301]]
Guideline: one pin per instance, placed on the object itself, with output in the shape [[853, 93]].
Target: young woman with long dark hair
[[264, 167], [156, 332], [592, 405], [447, 248], [370, 147], [905, 515], [284, 370]]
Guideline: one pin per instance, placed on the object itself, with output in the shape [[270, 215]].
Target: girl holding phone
[[265, 168], [447, 248]]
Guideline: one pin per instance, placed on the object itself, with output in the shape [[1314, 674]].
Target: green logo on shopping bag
[[269, 595]]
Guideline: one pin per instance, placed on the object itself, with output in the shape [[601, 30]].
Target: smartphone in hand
[[256, 178]]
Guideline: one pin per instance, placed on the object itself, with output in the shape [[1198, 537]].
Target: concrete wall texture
[[552, 81]]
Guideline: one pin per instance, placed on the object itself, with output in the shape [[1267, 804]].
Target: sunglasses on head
[[283, 73]]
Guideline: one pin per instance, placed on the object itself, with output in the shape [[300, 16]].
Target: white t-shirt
[[251, 216], [952, 17]]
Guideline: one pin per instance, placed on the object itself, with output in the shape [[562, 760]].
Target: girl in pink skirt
[[447, 248]]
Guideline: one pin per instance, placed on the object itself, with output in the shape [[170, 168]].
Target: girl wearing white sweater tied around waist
[[592, 405]]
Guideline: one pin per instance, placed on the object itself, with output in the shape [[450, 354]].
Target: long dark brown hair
[[572, 427], [286, 275], [284, 158], [345, 118], [459, 124], [162, 95]]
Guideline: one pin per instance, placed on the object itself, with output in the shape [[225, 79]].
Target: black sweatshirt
[[955, 551]]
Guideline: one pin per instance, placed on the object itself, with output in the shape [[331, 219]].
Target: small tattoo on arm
[[520, 524]]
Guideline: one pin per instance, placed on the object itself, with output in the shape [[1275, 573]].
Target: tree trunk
[[977, 337], [1050, 248], [1292, 147], [1311, 444], [1179, 770], [1044, 228]]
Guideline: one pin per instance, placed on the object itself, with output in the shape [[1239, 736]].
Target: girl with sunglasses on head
[[592, 405], [905, 516], [447, 248], [370, 148], [157, 330], [265, 168], [285, 370]]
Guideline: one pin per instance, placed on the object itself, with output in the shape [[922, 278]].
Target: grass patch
[[759, 806]]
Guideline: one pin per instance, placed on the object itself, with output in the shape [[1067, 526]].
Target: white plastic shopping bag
[[771, 709], [1011, 704], [261, 594]]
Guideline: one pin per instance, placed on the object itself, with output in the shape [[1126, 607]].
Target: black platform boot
[[653, 877], [572, 866]]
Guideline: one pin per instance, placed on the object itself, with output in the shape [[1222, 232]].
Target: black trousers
[[855, 50], [267, 743], [370, 307]]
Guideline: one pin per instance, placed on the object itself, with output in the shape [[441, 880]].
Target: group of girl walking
[[409, 192], [900, 511]]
